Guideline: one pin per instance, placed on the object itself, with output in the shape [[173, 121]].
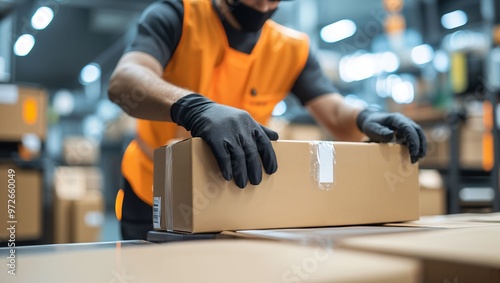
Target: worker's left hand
[[384, 127]]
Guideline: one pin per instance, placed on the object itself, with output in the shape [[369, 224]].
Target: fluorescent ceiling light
[[24, 44], [454, 19], [422, 54], [42, 18], [357, 67], [338, 31]]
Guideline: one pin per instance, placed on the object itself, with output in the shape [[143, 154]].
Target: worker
[[217, 68]]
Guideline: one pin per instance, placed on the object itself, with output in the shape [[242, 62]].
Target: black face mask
[[249, 19]]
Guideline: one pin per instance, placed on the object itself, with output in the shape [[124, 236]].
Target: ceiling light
[[338, 31], [422, 54], [24, 44], [454, 19], [357, 67], [42, 18], [90, 73]]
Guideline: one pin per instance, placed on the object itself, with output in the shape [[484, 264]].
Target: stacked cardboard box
[[78, 205], [432, 193], [475, 146], [79, 150], [22, 121], [26, 205], [22, 111]]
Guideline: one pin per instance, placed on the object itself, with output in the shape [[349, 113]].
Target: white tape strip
[[168, 189], [323, 163], [325, 157]]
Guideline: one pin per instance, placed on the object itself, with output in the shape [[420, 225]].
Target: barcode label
[[156, 212]]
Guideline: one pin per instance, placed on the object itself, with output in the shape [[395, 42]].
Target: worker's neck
[[226, 13]]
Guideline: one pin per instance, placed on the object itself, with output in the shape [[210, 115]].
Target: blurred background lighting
[[338, 31], [42, 18], [24, 44], [454, 19], [422, 54]]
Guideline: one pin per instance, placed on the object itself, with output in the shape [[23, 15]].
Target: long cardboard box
[[317, 184], [451, 255], [214, 261]]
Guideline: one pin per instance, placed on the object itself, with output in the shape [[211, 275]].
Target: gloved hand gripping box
[[317, 184]]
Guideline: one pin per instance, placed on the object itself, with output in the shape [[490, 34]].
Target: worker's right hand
[[237, 141]]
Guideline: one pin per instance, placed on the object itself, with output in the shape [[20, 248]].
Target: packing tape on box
[[168, 189], [323, 163]]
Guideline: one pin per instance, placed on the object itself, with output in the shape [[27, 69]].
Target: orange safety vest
[[204, 63]]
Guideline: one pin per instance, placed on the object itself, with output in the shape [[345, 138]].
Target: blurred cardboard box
[[79, 150], [116, 129], [475, 217], [78, 204], [78, 220], [88, 218], [217, 261], [302, 132], [450, 221], [472, 149], [77, 179], [437, 147], [93, 178], [22, 111], [323, 237], [471, 138], [452, 255], [317, 184], [27, 204], [432, 193], [295, 131]]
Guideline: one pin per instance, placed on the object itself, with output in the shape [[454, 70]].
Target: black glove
[[237, 141], [382, 127]]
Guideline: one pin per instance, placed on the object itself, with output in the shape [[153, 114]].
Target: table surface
[[55, 248]]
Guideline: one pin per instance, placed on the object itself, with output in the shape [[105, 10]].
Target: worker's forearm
[[142, 93], [338, 117]]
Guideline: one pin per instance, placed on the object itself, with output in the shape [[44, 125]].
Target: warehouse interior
[[434, 61]]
